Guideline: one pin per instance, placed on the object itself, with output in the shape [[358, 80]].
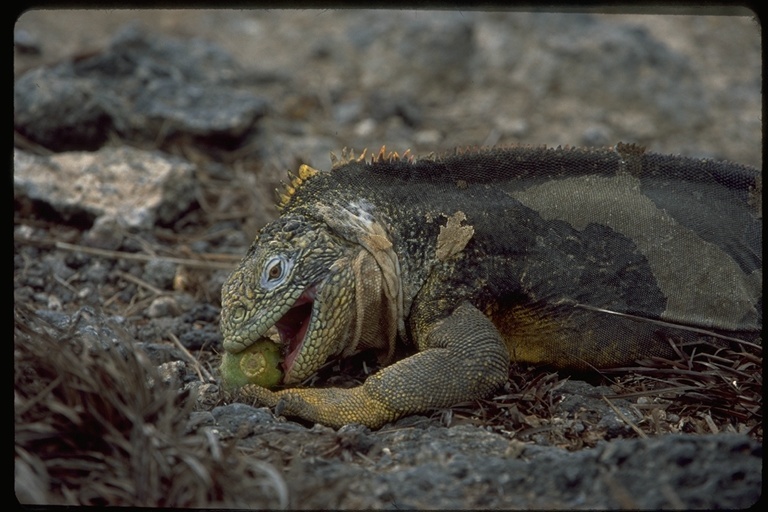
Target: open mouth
[[293, 326]]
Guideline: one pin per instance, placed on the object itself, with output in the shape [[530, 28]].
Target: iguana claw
[[259, 395], [334, 407]]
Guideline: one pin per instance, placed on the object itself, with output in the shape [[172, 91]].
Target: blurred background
[[434, 80]]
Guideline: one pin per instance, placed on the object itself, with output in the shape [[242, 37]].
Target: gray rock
[[143, 87], [137, 189], [61, 111], [160, 273], [675, 471], [234, 417], [163, 306], [467, 467]]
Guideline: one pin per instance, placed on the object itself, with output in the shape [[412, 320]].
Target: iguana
[[578, 258]]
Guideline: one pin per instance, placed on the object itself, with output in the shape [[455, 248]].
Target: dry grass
[[95, 425], [705, 389], [709, 388]]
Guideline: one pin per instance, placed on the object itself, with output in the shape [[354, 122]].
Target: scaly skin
[[288, 259], [464, 345], [574, 258]]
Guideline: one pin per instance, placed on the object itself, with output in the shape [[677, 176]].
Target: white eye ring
[[275, 271]]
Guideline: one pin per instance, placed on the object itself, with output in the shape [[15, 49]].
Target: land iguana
[[576, 258]]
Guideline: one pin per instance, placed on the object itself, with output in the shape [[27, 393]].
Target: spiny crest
[[283, 197], [294, 182], [348, 155], [630, 149], [289, 189]]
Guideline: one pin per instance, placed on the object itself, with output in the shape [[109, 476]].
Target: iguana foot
[[334, 407]]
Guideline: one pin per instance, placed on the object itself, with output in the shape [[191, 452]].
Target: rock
[[143, 87], [233, 417], [137, 189], [60, 111], [160, 273], [26, 42], [163, 306]]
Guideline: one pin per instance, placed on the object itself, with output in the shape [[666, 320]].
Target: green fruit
[[258, 364]]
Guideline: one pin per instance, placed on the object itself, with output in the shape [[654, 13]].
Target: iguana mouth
[[293, 326]]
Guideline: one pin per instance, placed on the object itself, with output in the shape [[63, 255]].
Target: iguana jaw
[[293, 326], [317, 325]]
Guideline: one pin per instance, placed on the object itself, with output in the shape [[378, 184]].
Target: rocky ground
[[148, 145]]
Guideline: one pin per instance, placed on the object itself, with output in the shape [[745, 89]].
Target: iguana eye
[[275, 271]]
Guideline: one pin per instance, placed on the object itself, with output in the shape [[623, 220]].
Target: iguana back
[[578, 258]]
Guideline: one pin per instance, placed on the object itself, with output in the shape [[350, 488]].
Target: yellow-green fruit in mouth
[[258, 364]]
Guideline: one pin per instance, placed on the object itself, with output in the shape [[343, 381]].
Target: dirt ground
[[93, 426]]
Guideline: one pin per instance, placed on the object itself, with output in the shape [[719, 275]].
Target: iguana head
[[325, 274], [297, 277]]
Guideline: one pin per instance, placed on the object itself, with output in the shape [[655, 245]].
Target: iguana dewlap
[[574, 258]]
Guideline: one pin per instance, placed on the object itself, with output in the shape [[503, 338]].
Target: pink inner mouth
[[294, 324]]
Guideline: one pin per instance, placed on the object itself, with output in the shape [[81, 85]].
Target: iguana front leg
[[463, 358]]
